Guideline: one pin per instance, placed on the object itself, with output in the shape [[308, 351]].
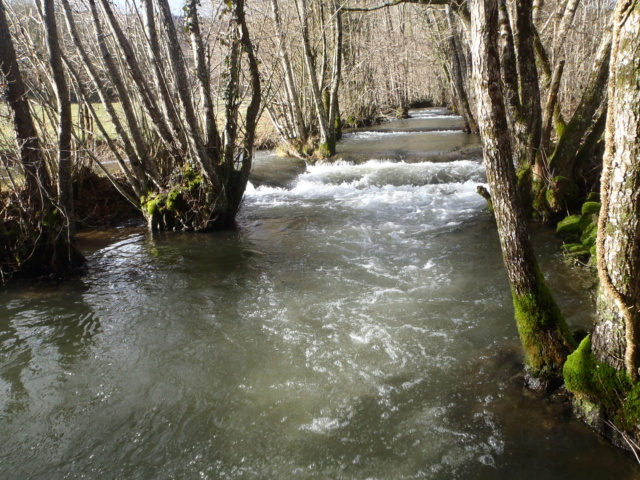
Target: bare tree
[[545, 337], [186, 170], [45, 244]]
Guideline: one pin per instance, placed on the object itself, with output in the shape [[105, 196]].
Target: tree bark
[[37, 179], [545, 337], [617, 333], [457, 76], [61, 89], [291, 90], [562, 160]]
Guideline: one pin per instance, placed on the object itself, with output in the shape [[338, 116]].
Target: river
[[357, 325]]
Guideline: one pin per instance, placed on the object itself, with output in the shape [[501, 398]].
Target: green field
[[39, 114]]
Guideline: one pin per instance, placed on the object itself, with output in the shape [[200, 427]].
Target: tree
[[298, 131], [545, 336], [41, 221], [187, 171], [63, 100], [604, 370], [325, 102]]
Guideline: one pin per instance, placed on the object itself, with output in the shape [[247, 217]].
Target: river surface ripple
[[357, 325]]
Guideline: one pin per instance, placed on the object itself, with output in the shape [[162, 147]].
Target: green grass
[[40, 117]]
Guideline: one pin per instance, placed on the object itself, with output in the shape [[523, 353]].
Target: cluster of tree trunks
[[545, 336], [304, 134], [41, 223], [183, 170], [604, 371]]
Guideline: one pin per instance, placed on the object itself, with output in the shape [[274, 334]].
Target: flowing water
[[357, 325]]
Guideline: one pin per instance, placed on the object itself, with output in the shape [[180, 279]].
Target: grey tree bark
[[471, 125], [545, 337], [616, 336], [35, 172], [61, 89]]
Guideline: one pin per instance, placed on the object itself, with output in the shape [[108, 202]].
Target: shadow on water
[[475, 431], [41, 320]]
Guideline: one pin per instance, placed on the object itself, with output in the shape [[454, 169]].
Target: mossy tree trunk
[[562, 162], [617, 333], [188, 169], [545, 337]]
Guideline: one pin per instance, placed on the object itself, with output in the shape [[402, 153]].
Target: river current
[[357, 325]]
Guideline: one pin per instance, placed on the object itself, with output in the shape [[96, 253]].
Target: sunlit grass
[[41, 118]]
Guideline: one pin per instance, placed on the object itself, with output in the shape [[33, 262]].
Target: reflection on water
[[357, 325]]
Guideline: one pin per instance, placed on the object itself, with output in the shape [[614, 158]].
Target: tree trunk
[[61, 89], [139, 183], [323, 121], [46, 236], [457, 77], [141, 156], [192, 24], [37, 178], [178, 68], [545, 337], [515, 111], [291, 90], [148, 99], [528, 86], [159, 77], [324, 110], [617, 333], [336, 76], [547, 120], [562, 160]]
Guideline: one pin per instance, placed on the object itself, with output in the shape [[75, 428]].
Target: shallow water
[[356, 326], [432, 135]]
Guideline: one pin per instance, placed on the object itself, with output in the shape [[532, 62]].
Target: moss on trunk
[[545, 336], [598, 386]]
